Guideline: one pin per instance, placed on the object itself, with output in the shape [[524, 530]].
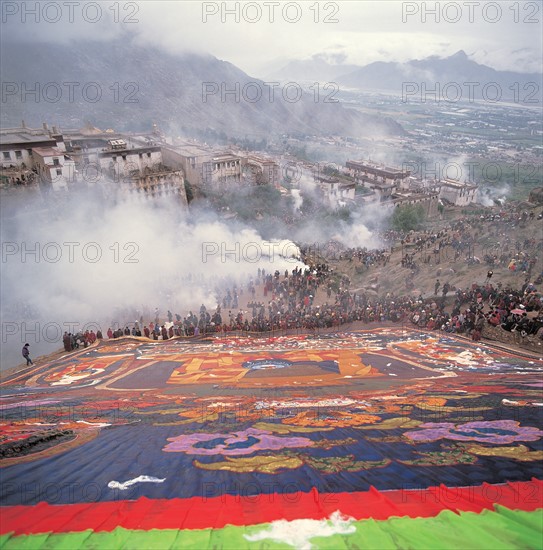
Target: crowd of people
[[499, 307], [82, 338], [368, 258], [488, 238], [291, 305], [276, 301]]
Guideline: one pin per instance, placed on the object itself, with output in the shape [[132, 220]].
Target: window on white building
[[7, 156], [18, 154]]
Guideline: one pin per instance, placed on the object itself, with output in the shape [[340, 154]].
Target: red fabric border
[[219, 511]]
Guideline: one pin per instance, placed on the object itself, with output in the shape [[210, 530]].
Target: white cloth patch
[[298, 532], [140, 479]]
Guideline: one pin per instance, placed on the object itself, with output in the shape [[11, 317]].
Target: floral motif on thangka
[[285, 429], [441, 458], [348, 463], [519, 452], [338, 419], [236, 443], [392, 424], [498, 432], [291, 460], [329, 443], [253, 464]]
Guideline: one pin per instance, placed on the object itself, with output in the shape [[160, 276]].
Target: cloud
[[349, 32], [83, 260]]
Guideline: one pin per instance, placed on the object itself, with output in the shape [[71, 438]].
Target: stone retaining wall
[[498, 334]]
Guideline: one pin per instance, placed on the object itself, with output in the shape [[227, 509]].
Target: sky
[[261, 37]]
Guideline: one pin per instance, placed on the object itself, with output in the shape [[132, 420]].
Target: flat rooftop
[[457, 184], [227, 156], [48, 151], [261, 160], [188, 149], [377, 170], [130, 150], [21, 137]]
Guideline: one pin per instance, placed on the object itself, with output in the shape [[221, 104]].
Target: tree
[[408, 217]]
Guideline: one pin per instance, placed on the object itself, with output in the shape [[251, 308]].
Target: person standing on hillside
[[66, 342], [26, 355]]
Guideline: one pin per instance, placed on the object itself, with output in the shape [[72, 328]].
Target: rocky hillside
[[458, 272]]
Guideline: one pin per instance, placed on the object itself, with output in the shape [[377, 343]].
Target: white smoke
[[360, 230], [491, 196], [298, 199], [308, 186], [102, 263], [357, 235]]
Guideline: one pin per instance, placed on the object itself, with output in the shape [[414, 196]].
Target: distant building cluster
[[56, 161], [145, 166], [33, 156], [395, 187]]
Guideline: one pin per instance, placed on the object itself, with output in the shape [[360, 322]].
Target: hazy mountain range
[[452, 74], [122, 85]]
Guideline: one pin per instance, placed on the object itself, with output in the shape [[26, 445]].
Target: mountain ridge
[[457, 69], [141, 85]]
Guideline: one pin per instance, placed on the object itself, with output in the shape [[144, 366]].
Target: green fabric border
[[490, 530]]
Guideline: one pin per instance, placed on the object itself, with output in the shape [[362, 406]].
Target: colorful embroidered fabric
[[378, 439]]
